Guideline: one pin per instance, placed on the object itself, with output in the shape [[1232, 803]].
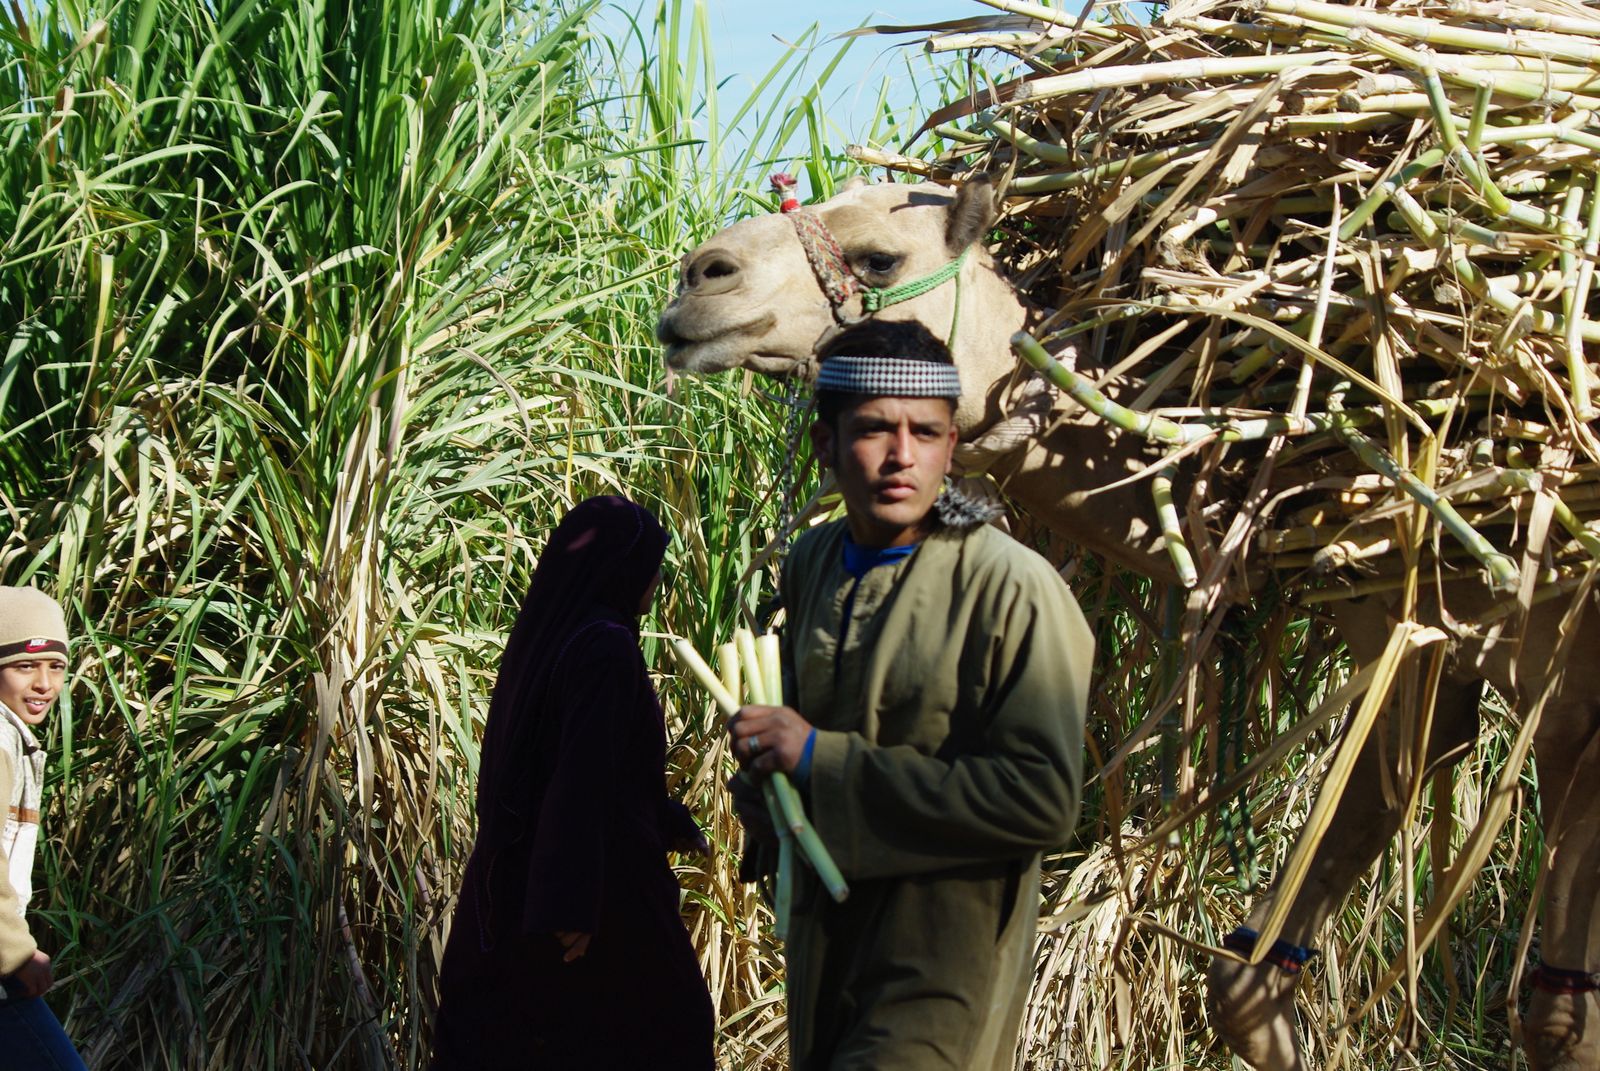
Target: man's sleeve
[[17, 945], [894, 811]]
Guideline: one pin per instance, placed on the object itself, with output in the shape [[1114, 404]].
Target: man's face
[[890, 457], [29, 688]]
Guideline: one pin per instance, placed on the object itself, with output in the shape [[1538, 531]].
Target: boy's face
[[890, 457], [29, 688]]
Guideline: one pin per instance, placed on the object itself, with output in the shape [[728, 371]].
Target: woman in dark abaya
[[567, 950]]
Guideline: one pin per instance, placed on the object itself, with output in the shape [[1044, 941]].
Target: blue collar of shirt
[[859, 560]]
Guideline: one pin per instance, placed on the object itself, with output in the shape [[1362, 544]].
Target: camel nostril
[[714, 272]]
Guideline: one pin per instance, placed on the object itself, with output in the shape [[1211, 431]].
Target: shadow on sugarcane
[[750, 667]]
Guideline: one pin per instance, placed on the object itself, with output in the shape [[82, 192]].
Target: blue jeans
[[31, 1038]]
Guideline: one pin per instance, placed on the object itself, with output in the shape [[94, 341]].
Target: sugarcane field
[[987, 535]]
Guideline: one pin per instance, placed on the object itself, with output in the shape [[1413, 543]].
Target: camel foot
[[1252, 1011], [1562, 1031]]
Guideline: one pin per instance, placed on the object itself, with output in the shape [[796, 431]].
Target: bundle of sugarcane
[[1363, 238], [750, 671]]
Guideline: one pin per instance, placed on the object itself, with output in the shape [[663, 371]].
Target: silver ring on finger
[[755, 746]]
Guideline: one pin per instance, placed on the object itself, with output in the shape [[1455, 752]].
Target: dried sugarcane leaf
[[1406, 639]]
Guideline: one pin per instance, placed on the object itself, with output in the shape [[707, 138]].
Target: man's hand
[[575, 944], [34, 978], [769, 738]]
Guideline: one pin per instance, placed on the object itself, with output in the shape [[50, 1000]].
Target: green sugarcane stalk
[[1534, 92], [1155, 428], [1525, 19], [1540, 320], [1434, 33], [1469, 77], [1329, 122], [1582, 388], [1469, 163], [1148, 74], [787, 798], [1466, 230], [1171, 531], [1586, 536], [1363, 212], [1571, 212], [1053, 16], [1503, 571], [1481, 94], [1027, 143], [783, 893], [790, 807], [744, 642], [950, 132], [783, 801]]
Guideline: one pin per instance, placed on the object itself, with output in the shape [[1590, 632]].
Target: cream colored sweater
[[21, 786]]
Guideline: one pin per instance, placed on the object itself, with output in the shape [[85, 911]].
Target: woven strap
[[876, 298], [833, 272], [1557, 980], [1282, 954]]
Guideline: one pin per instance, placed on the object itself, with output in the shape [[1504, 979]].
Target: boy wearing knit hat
[[33, 667]]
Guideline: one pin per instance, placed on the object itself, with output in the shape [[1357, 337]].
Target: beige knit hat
[[31, 625]]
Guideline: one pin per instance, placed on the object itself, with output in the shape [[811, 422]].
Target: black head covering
[[599, 563]]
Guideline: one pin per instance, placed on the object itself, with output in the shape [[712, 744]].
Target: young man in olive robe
[[936, 679]]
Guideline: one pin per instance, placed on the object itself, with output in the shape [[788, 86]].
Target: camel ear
[[972, 213], [854, 182]]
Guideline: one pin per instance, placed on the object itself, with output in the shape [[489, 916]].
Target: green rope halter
[[839, 282], [877, 298]]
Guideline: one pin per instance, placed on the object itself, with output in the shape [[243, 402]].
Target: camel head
[[751, 297]]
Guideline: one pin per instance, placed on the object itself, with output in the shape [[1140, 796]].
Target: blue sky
[[750, 36], [748, 32]]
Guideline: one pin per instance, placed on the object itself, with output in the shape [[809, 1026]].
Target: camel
[[752, 297]]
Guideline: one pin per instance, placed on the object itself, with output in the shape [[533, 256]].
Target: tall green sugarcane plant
[[293, 373]]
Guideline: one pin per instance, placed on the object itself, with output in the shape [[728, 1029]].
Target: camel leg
[[1252, 1007], [1562, 1029]]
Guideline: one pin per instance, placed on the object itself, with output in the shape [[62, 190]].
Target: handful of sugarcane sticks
[[750, 666]]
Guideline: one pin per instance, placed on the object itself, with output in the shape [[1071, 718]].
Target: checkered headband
[[897, 377]]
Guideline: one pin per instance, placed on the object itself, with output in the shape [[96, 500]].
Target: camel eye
[[882, 263]]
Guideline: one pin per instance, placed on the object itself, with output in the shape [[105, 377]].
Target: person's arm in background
[[25, 969]]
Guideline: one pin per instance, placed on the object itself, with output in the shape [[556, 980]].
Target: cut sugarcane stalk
[[1583, 406], [769, 655], [1434, 33], [1171, 531], [740, 658], [1154, 428], [728, 664], [1503, 572]]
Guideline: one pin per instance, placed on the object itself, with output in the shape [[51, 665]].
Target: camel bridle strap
[[877, 298], [1558, 980], [839, 284], [839, 281]]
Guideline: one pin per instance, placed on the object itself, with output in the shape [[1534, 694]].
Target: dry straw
[[1338, 261]]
